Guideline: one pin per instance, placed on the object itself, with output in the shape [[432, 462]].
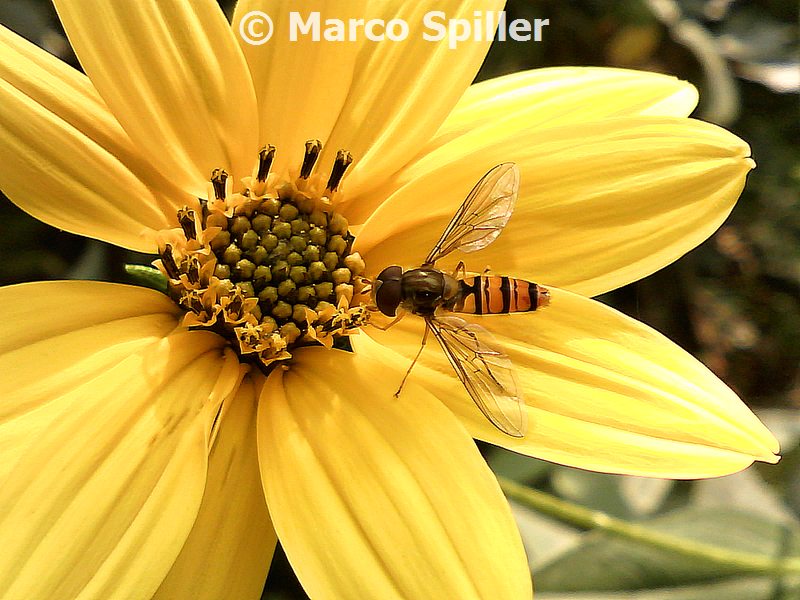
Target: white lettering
[[369, 30], [352, 28], [483, 26], [397, 30], [334, 30], [458, 30], [501, 27], [297, 25], [430, 22], [517, 28], [537, 28]]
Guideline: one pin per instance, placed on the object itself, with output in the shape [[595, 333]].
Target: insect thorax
[[425, 289]]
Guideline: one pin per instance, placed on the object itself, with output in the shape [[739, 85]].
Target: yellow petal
[[375, 497], [62, 177], [229, 549], [54, 324], [175, 79], [64, 158], [301, 85], [100, 501], [600, 205], [53, 86], [401, 92], [546, 98], [604, 392]]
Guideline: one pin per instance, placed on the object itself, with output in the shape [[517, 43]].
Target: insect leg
[[416, 358], [400, 314]]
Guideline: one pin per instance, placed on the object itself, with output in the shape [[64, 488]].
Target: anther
[[265, 157], [218, 178], [313, 148], [191, 267], [343, 160], [192, 302], [186, 219], [170, 266]]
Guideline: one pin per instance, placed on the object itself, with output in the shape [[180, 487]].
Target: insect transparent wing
[[485, 371], [482, 215]]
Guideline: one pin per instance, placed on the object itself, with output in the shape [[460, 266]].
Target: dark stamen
[[192, 269], [236, 304], [343, 160], [170, 266], [186, 219], [193, 303], [218, 178], [313, 148], [265, 157]]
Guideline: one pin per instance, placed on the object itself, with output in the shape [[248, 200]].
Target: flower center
[[269, 268]]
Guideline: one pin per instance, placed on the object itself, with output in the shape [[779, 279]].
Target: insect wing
[[485, 371], [482, 215]]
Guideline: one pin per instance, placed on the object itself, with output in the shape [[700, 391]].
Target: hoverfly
[[483, 368]]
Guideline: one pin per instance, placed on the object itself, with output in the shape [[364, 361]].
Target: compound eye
[[388, 297], [393, 273]]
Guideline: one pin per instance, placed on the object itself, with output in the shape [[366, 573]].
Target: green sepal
[[147, 277]]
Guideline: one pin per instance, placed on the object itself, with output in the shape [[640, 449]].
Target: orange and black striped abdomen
[[497, 294]]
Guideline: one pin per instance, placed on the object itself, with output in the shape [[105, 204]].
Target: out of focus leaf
[[523, 469], [622, 497], [645, 495], [544, 538], [610, 563], [781, 77], [92, 263], [745, 588], [745, 491], [596, 491], [784, 424]]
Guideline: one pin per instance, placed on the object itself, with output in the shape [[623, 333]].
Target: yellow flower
[[143, 459]]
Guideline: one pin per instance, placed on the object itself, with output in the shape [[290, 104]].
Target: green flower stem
[[581, 516]]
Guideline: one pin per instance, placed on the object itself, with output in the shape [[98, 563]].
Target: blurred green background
[[734, 302]]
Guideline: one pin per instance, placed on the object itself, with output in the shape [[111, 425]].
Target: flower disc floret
[[270, 267]]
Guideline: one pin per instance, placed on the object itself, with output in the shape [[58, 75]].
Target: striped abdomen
[[496, 294]]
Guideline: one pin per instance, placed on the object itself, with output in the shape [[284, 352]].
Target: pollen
[[269, 267]]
